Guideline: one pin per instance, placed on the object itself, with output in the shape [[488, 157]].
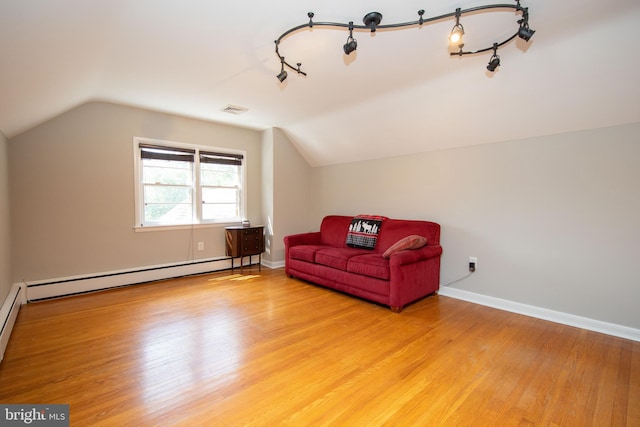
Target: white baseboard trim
[[273, 264], [543, 313], [9, 313], [65, 286]]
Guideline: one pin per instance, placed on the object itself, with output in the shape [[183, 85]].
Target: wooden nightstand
[[245, 241]]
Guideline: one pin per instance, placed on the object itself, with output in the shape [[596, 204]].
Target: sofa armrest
[[415, 255], [312, 238], [413, 274]]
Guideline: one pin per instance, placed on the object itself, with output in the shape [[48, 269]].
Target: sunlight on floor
[[234, 277]]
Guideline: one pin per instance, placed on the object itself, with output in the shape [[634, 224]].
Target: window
[[179, 184]]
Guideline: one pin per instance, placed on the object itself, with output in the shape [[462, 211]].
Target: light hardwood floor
[[263, 349]]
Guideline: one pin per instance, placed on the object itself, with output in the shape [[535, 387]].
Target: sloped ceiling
[[399, 93]]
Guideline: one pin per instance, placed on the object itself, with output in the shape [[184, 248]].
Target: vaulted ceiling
[[399, 93]]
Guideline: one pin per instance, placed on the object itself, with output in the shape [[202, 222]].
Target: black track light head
[[525, 33], [494, 61], [282, 76], [350, 45]]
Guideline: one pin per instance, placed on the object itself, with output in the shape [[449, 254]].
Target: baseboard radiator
[[54, 288], [8, 315]]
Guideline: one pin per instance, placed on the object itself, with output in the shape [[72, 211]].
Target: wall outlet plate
[[473, 263]]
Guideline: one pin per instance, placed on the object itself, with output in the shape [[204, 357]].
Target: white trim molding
[[66, 286], [273, 264], [8, 314], [543, 313]]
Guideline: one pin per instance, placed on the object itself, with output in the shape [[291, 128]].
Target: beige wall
[[552, 220], [72, 192], [287, 192], [6, 279], [293, 192]]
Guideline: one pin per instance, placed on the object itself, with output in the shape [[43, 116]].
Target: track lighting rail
[[371, 22]]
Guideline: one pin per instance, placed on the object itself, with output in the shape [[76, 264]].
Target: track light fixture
[[494, 61], [283, 74], [524, 32], [458, 30], [372, 21], [351, 43]]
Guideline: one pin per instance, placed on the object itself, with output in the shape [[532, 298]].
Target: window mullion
[[197, 199]]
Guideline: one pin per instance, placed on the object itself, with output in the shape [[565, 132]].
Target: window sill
[[149, 228]]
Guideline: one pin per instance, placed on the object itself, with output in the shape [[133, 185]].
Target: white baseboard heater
[[47, 289], [8, 315]]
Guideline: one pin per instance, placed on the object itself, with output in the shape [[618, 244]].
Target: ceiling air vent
[[234, 109]]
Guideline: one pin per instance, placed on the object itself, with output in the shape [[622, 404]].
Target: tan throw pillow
[[410, 242]]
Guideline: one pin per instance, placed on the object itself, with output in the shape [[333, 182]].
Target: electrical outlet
[[473, 263], [201, 246]]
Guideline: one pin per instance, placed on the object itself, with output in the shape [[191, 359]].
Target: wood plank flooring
[[262, 349]]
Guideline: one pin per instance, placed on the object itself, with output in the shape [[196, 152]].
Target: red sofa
[[324, 258]]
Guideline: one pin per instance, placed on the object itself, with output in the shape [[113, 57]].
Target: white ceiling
[[399, 93]]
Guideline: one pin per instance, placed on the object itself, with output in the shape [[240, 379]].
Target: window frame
[[197, 220]]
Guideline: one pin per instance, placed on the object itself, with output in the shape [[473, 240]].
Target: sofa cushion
[[410, 242], [337, 257], [305, 252], [373, 265]]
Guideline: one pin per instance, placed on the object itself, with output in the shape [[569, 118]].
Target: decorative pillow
[[363, 231], [410, 242]]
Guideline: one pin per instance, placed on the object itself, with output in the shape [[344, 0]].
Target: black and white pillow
[[364, 231]]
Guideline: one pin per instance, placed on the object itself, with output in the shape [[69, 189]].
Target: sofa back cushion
[[334, 229], [396, 229]]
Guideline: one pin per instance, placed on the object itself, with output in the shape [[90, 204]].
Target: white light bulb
[[456, 34]]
